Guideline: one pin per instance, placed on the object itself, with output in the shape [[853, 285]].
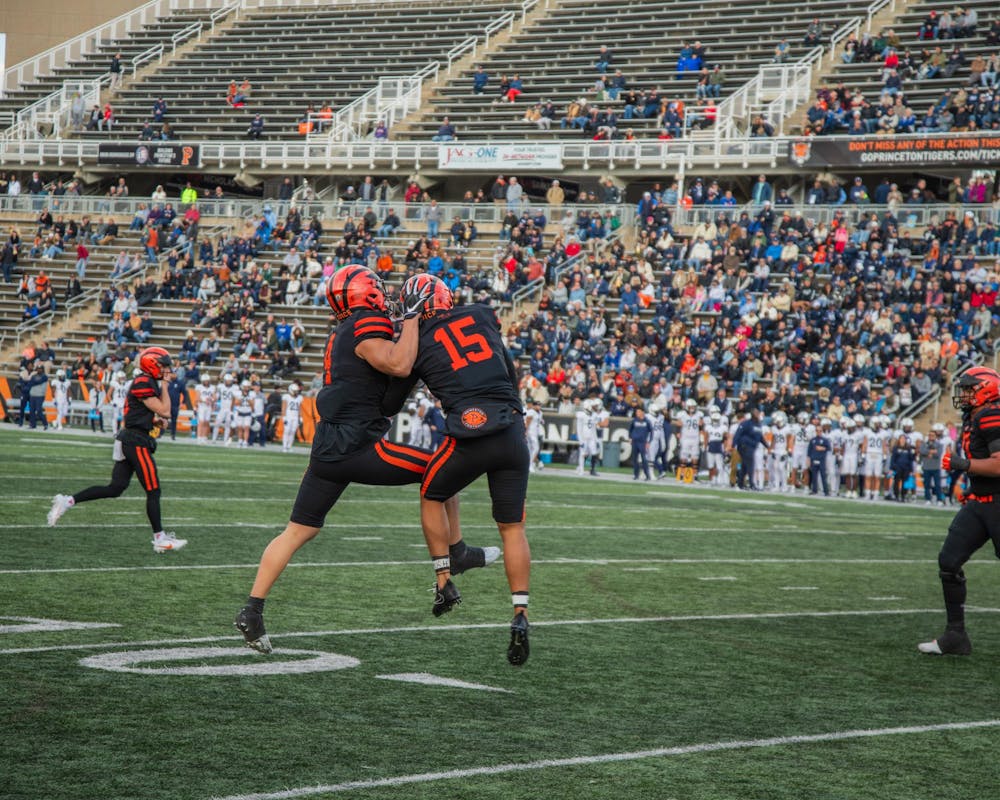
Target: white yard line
[[537, 562], [582, 529], [609, 758], [553, 623], [718, 578], [436, 680]]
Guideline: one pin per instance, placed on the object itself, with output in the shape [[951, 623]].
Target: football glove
[[955, 462], [414, 297]]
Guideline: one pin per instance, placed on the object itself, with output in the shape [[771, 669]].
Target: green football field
[[686, 643]]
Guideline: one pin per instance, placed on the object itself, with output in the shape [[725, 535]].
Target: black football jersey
[[348, 403], [136, 415], [980, 439], [464, 363]]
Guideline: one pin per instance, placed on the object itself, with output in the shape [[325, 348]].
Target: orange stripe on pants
[[437, 461], [397, 462], [148, 468]]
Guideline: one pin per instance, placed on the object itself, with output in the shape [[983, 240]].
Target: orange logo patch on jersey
[[474, 418]]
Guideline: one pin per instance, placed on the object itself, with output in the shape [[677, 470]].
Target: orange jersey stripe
[[397, 462], [437, 461]]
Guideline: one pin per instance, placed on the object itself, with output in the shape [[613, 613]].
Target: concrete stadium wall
[[33, 26]]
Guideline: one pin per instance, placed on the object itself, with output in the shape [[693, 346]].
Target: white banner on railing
[[502, 157]]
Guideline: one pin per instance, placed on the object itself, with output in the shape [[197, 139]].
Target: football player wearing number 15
[[463, 361], [348, 447]]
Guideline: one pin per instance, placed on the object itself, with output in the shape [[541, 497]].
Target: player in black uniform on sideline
[[146, 400], [977, 395], [348, 447], [465, 364]]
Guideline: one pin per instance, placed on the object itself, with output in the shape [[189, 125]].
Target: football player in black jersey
[[146, 403], [463, 361], [977, 453], [348, 446]]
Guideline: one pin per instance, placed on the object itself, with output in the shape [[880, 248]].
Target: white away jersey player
[[874, 455], [587, 424], [690, 436], [290, 419], [852, 446], [802, 435], [533, 422]]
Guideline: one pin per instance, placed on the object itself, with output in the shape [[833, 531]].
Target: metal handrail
[[648, 153], [194, 29], [156, 51]]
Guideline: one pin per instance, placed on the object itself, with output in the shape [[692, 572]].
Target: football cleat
[[167, 543], [517, 650], [949, 643], [474, 557], [251, 624], [60, 505], [445, 598]]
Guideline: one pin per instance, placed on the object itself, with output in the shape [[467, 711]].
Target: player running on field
[[348, 447], [146, 400], [976, 453], [463, 361]]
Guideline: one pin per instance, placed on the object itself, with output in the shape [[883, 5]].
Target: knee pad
[[956, 577]]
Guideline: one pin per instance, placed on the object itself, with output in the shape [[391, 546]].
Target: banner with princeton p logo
[[503, 158], [148, 154]]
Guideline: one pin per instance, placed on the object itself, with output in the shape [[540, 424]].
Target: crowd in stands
[[968, 105], [857, 316]]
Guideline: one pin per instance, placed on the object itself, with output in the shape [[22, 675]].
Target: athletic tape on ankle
[[442, 564], [519, 598]]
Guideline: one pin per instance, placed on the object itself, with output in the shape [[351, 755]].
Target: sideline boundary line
[[552, 623], [607, 758]]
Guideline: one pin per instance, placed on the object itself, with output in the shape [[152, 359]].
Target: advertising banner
[[559, 432], [500, 158], [896, 151], [147, 154]]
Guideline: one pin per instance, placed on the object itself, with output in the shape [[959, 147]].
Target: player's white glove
[[414, 296]]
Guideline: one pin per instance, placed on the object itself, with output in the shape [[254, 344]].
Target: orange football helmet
[[154, 361], [355, 288], [439, 296], [976, 387]]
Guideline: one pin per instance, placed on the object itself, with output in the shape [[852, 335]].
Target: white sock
[[159, 535]]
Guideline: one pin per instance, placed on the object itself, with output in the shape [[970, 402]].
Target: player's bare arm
[[392, 358]]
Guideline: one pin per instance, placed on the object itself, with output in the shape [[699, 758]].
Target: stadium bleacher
[[866, 77], [96, 63], [285, 53], [556, 56]]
